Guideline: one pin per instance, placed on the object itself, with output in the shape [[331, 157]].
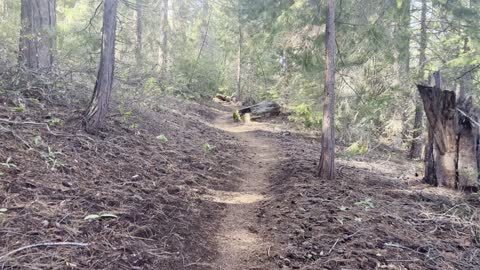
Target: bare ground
[[238, 239]]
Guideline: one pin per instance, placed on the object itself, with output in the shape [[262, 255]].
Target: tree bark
[[440, 108], [139, 32], [38, 33], [163, 52], [429, 158], [416, 147], [327, 158], [467, 146], [97, 111]]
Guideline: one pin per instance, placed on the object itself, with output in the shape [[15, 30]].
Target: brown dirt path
[[240, 245]]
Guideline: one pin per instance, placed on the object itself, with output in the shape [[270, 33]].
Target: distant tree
[[163, 51], [37, 34], [327, 157], [98, 107], [139, 31], [239, 54], [416, 147]]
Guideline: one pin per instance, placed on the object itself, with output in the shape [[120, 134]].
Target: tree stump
[[452, 159]]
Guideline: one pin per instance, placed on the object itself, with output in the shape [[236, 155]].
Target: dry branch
[[48, 244]]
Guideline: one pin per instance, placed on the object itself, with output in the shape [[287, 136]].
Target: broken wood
[[467, 145], [262, 109]]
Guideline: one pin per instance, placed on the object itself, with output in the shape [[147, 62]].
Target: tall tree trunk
[[403, 40], [466, 82], [204, 15], [139, 32], [163, 52], [97, 111], [239, 55], [416, 147], [327, 157], [37, 35]]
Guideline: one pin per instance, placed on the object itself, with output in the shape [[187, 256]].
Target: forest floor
[[180, 186]]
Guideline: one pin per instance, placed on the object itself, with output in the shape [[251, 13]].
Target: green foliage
[[207, 148], [236, 116], [162, 138], [303, 113], [52, 159], [9, 164], [357, 148], [151, 86], [55, 121], [19, 109]]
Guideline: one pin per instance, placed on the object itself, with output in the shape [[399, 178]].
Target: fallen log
[[224, 98], [262, 109]]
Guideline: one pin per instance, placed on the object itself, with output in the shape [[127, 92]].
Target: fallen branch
[[47, 128], [43, 245]]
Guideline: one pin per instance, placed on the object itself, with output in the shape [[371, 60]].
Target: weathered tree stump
[[451, 158], [467, 145]]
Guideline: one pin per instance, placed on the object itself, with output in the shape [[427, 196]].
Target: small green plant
[[52, 159], [236, 116], [134, 126], [367, 204], [37, 140], [162, 138], [19, 109], [9, 164], [1, 173], [127, 115], [357, 148], [3, 211], [55, 121], [207, 148], [151, 85]]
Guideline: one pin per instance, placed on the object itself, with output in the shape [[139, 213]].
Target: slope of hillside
[[54, 177]]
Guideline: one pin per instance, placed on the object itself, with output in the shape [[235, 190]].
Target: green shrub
[[357, 148], [304, 114]]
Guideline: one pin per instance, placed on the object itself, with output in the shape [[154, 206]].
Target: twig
[[331, 249], [43, 245], [25, 123]]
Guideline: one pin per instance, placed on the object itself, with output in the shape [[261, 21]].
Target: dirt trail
[[238, 239]]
